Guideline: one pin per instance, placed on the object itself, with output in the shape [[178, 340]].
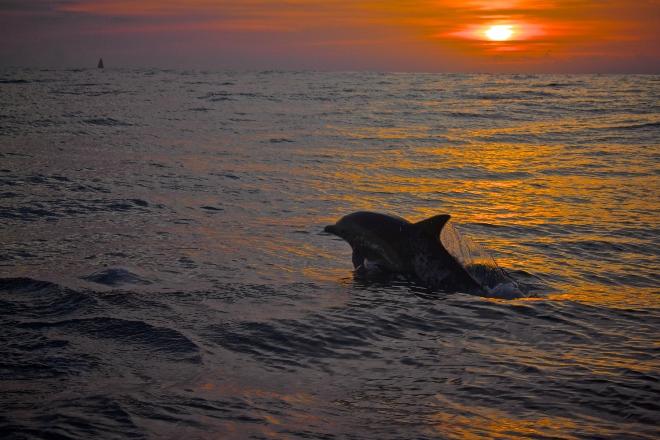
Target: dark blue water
[[164, 275]]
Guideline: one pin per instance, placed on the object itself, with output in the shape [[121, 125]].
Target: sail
[[100, 65]]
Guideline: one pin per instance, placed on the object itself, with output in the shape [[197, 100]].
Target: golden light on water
[[500, 32]]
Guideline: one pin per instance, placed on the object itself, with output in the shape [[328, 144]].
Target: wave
[[280, 140], [140, 334], [53, 209], [647, 125], [558, 84], [472, 115], [217, 96], [14, 81], [108, 122], [31, 298], [115, 277], [68, 417]]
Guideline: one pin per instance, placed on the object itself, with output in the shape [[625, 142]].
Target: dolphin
[[394, 244]]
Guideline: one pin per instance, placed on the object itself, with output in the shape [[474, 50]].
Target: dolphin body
[[415, 250]]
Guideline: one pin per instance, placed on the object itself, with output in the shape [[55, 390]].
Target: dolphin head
[[373, 236], [361, 224]]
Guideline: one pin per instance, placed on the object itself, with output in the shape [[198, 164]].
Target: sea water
[[164, 273]]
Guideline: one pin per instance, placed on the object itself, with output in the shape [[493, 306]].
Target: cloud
[[31, 5], [390, 34]]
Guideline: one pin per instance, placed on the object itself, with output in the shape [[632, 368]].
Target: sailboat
[[100, 65]]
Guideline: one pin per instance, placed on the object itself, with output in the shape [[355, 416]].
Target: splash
[[479, 264]]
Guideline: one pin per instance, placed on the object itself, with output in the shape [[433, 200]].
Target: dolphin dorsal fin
[[432, 226]]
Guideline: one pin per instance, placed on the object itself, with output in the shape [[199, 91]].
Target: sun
[[500, 32]]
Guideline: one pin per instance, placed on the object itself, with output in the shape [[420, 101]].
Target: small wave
[[97, 416], [108, 122], [89, 84], [127, 205], [140, 333], [293, 343], [27, 297], [46, 123], [212, 208], [647, 125], [280, 140], [140, 202], [115, 277], [459, 114], [106, 92], [14, 81], [27, 213], [558, 84], [518, 95], [53, 209], [217, 96], [470, 172], [21, 285], [47, 179]]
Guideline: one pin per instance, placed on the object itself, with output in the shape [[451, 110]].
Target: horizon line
[[312, 70]]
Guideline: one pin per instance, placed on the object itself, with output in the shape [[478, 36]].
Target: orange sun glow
[[499, 32]]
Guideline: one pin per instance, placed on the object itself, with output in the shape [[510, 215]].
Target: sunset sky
[[389, 35]]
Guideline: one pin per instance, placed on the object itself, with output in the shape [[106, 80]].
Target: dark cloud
[[35, 6]]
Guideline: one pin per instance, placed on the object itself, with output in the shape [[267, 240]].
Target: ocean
[[164, 271]]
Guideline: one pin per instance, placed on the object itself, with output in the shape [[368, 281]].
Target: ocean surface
[[164, 273]]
